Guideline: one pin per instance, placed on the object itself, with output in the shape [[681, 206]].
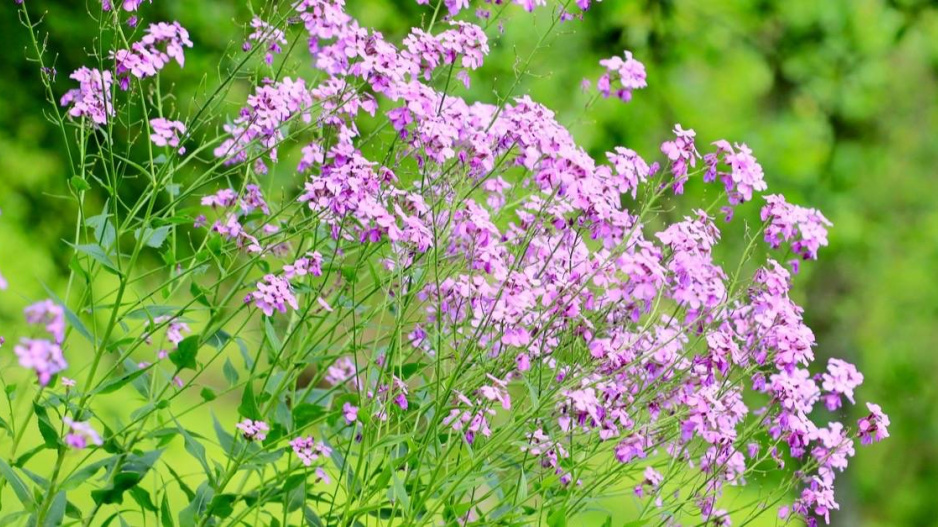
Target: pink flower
[[80, 434], [92, 98], [43, 356], [874, 427], [274, 293], [166, 132], [309, 450], [268, 37], [48, 313], [350, 413], [630, 74], [253, 430]]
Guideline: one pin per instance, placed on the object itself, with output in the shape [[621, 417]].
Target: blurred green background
[[837, 98]]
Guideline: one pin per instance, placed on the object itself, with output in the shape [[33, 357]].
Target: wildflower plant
[[428, 310]]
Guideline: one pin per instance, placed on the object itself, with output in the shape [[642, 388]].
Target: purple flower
[[253, 430], [630, 74], [166, 132], [51, 314], [161, 43], [682, 153], [309, 450], [841, 378], [874, 427], [268, 37], [274, 293], [43, 356], [350, 413], [92, 98], [80, 433], [806, 228]]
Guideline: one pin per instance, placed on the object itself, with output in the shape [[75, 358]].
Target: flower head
[[80, 433], [253, 430]]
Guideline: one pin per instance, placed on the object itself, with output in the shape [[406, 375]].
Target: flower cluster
[[628, 75], [167, 133], [92, 98], [80, 434], [266, 36], [273, 293], [161, 43], [253, 430], [41, 355], [308, 450], [495, 288]]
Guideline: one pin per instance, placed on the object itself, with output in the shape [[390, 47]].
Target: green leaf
[[304, 414], [294, 492], [248, 407], [79, 183], [398, 492], [72, 511], [98, 254], [182, 485], [188, 516], [311, 518], [152, 312], [272, 335], [222, 505], [142, 498], [153, 237], [557, 518], [224, 438], [130, 475], [56, 512], [184, 355], [104, 232], [196, 450], [19, 488], [166, 517], [116, 384], [49, 434], [208, 394], [231, 374], [86, 472]]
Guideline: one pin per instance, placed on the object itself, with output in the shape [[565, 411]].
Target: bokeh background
[[837, 98]]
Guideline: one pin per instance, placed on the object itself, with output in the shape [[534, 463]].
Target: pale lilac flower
[[310, 264], [127, 5], [805, 228], [682, 153], [253, 430], [51, 315], [874, 427], [224, 198], [268, 37], [92, 98], [841, 378], [274, 293], [166, 132], [68, 383], [745, 176], [43, 356], [350, 413], [161, 43], [629, 73], [341, 371], [309, 450], [80, 434]]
